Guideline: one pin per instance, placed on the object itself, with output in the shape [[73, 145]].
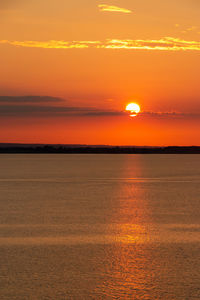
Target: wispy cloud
[[52, 44], [190, 29], [162, 44], [112, 8]]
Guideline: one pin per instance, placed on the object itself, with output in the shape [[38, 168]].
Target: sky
[[69, 68]]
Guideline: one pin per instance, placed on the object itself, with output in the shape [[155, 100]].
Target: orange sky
[[94, 57]]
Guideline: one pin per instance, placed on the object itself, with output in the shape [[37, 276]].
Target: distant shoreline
[[86, 149]]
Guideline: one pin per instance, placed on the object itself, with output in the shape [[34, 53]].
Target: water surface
[[99, 227]]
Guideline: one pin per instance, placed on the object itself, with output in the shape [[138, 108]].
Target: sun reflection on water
[[127, 273], [132, 233]]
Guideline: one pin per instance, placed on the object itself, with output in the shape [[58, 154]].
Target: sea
[[78, 226]]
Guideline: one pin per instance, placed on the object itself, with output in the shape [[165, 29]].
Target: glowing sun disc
[[134, 108]]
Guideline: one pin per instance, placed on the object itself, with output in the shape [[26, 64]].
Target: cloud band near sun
[[112, 8], [37, 106], [162, 44]]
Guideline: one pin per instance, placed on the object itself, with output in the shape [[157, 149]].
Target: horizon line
[[95, 145]]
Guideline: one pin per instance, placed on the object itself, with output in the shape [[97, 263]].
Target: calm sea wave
[[99, 227]]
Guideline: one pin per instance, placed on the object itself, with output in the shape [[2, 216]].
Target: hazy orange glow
[[90, 58]]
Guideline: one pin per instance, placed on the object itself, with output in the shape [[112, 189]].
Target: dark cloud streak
[[52, 111], [29, 99]]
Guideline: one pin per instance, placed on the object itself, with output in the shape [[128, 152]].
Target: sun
[[133, 108]]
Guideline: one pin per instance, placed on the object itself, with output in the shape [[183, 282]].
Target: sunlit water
[[99, 227]]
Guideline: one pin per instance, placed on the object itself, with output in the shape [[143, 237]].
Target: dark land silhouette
[[95, 149]]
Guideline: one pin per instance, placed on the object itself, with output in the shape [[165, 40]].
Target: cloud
[[190, 29], [44, 107], [162, 44], [53, 111], [111, 8], [170, 115], [29, 99], [52, 44]]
